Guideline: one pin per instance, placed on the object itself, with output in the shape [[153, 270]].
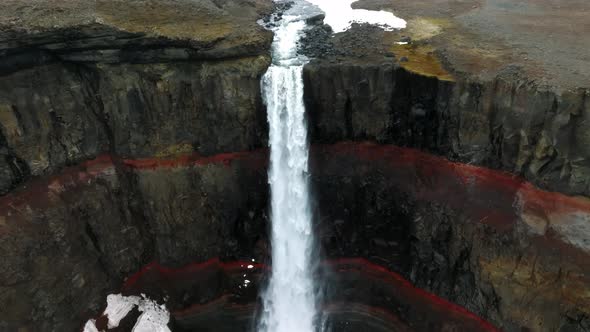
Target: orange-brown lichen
[[421, 59]]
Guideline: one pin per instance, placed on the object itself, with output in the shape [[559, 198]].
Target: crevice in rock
[[16, 170], [348, 119], [92, 237]]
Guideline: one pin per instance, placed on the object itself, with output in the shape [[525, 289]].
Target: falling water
[[289, 300]]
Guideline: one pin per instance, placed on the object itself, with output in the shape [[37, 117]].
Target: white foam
[[340, 15]]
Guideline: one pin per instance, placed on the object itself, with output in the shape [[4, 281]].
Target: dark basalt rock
[[213, 296], [70, 239], [477, 237], [505, 124], [133, 79], [78, 112], [120, 122], [484, 239]]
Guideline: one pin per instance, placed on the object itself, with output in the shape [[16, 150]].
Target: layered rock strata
[[222, 297], [134, 131], [133, 79]]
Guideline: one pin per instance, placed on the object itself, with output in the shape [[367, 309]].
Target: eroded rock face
[[480, 238], [485, 240], [223, 296], [505, 124], [55, 115], [84, 86], [134, 79], [133, 132], [70, 238]]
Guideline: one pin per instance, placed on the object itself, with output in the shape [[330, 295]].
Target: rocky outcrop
[[70, 239], [137, 31], [85, 87], [463, 232], [222, 296], [504, 124], [487, 240], [120, 126], [119, 81]]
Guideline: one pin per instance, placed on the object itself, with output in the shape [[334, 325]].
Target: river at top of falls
[[289, 300]]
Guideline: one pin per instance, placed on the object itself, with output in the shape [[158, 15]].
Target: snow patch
[[154, 317], [340, 15]]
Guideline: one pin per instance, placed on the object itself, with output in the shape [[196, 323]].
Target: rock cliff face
[[87, 85], [135, 80], [70, 239], [503, 124], [497, 245], [213, 295], [134, 131]]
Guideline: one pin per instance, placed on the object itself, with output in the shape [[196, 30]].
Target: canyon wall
[[90, 92], [506, 124], [98, 77], [131, 134]]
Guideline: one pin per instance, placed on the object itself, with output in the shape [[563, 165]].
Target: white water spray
[[289, 300]]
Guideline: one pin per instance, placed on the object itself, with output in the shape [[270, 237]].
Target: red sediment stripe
[[447, 180], [486, 195], [419, 298], [429, 167], [35, 192], [191, 269], [195, 160]]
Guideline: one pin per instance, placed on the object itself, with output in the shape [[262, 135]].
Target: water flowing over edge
[[289, 301]]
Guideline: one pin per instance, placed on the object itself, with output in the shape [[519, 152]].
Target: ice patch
[[118, 306], [154, 317], [90, 326], [340, 15], [574, 229]]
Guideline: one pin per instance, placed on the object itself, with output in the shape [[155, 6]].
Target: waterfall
[[289, 300]]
